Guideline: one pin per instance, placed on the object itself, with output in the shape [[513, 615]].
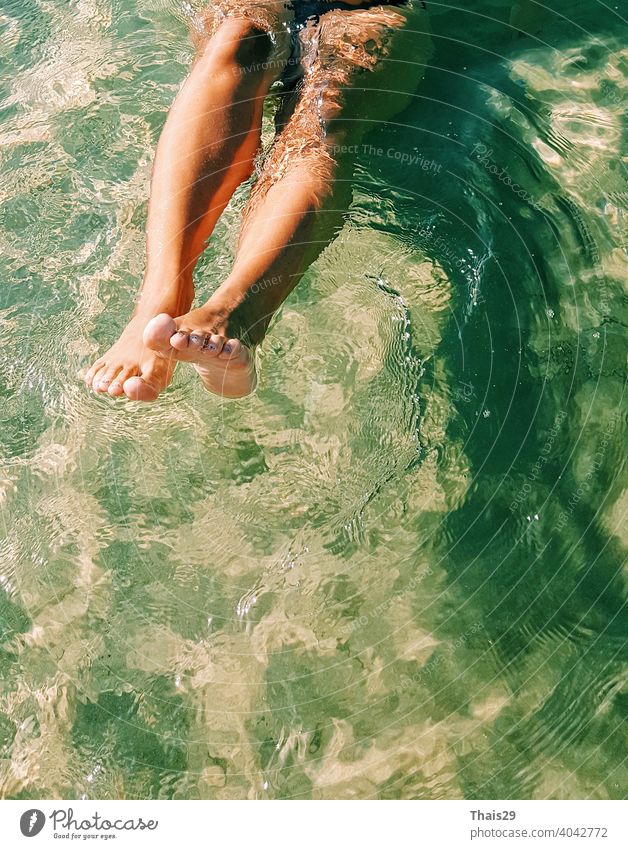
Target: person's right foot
[[226, 366]]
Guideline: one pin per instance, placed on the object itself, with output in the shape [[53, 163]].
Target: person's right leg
[[206, 150]]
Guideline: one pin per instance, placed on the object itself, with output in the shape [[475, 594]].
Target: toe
[[116, 387], [158, 332], [197, 345], [136, 389], [103, 380], [197, 340], [93, 371], [95, 381], [148, 385], [180, 340], [213, 345], [233, 348]]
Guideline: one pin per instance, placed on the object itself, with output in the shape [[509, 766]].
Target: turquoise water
[[397, 570]]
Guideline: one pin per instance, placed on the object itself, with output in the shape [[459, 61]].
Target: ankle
[[157, 296], [247, 304]]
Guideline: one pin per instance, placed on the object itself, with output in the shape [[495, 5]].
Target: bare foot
[[130, 368], [226, 366]]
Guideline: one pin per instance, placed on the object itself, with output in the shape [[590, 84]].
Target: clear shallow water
[[396, 571]]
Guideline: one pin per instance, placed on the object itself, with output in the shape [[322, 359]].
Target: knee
[[241, 43], [358, 40]]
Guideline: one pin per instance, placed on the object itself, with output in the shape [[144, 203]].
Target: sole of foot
[[225, 366]]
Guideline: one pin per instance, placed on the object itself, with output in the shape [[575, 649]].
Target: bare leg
[[362, 59], [206, 150]]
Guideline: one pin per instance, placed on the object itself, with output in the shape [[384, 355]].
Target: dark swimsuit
[[310, 11]]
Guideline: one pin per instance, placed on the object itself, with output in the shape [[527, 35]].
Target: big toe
[[138, 390], [158, 332], [154, 376]]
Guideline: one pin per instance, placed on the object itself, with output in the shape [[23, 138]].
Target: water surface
[[396, 570]]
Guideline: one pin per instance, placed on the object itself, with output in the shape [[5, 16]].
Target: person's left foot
[[226, 366]]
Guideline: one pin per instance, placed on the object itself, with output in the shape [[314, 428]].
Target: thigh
[[360, 68], [368, 64], [272, 16]]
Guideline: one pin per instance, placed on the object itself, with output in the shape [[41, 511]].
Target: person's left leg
[[207, 148], [366, 69]]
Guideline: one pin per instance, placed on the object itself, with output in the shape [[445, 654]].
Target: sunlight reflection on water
[[374, 577]]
